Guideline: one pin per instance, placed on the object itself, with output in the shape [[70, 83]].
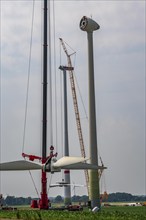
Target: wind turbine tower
[[89, 25], [67, 188]]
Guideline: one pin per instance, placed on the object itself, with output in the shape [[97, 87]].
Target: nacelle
[[89, 25]]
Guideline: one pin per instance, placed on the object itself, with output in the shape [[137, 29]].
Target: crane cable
[[61, 112], [27, 93], [50, 76], [28, 79], [0, 91], [55, 77], [86, 116], [55, 89]]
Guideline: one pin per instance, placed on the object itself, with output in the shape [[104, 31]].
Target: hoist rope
[[50, 182], [70, 48], [41, 92], [61, 112], [103, 183], [74, 63], [28, 79], [55, 89], [0, 90], [27, 92], [81, 96], [50, 76], [34, 183], [61, 121]]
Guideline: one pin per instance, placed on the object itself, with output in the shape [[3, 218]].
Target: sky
[[119, 69]]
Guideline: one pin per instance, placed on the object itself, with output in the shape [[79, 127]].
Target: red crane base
[[43, 202]]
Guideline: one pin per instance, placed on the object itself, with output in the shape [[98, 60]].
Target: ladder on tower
[[76, 109]]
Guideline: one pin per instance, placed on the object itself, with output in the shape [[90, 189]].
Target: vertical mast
[[43, 204]]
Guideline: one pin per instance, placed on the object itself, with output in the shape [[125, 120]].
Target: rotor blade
[[102, 167], [62, 182], [65, 161], [80, 166], [20, 165], [67, 184], [57, 185]]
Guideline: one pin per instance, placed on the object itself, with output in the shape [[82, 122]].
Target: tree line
[[112, 197]]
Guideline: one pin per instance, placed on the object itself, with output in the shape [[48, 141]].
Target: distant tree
[[28, 200], [2, 201], [124, 197], [76, 198], [84, 198], [10, 200], [58, 199], [113, 197]]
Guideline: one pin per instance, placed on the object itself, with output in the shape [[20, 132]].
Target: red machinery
[[43, 202]]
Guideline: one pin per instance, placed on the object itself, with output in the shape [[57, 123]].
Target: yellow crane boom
[[77, 115], [76, 109]]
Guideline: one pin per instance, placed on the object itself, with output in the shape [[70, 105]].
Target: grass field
[[107, 213]]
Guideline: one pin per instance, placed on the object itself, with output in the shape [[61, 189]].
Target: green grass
[[108, 213]]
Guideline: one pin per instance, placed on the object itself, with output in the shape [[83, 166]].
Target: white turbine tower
[[88, 25]]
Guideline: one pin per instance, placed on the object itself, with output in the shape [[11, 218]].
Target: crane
[[77, 115], [76, 109]]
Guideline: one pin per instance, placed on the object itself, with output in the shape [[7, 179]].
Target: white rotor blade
[[83, 166], [20, 165], [75, 163], [64, 185], [65, 161], [80, 166], [57, 185]]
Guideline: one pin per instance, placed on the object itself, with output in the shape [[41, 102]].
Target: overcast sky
[[119, 58]]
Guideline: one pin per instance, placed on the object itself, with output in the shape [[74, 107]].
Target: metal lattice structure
[[77, 115], [76, 109]]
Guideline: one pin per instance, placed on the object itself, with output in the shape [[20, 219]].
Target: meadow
[[107, 213]]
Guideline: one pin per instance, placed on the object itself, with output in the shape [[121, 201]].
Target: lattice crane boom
[[76, 109], [77, 115]]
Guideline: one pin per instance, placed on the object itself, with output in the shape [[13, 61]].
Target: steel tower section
[[67, 188]]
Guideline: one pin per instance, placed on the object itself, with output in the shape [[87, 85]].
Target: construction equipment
[[77, 115], [76, 109], [104, 196]]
